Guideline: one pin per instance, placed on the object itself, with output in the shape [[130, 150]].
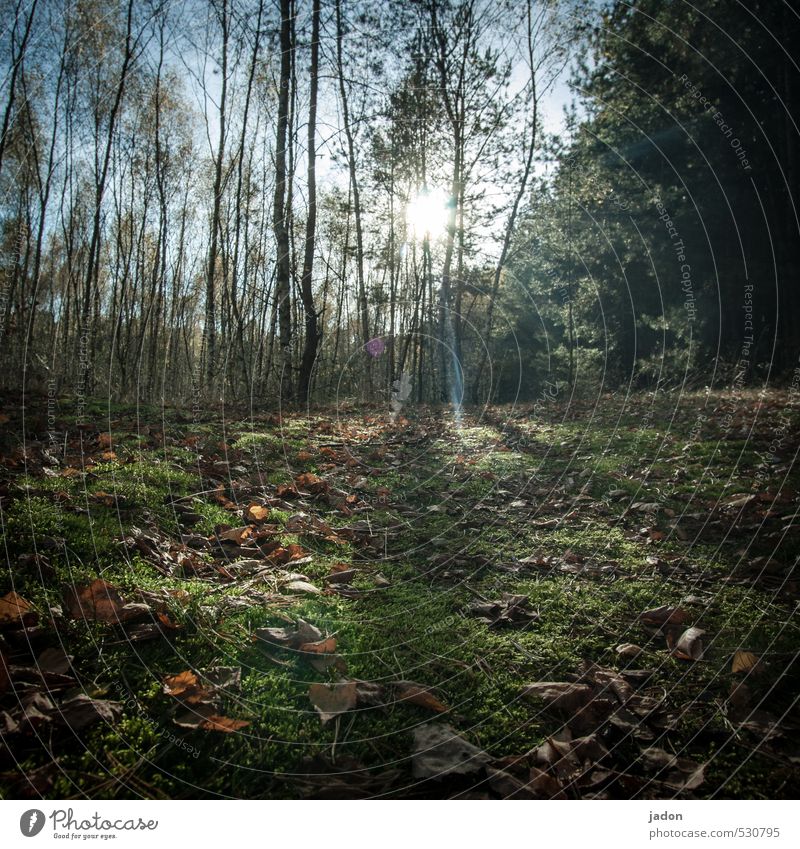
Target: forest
[[230, 200], [397, 397]]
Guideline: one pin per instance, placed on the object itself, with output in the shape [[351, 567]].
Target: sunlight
[[427, 212]]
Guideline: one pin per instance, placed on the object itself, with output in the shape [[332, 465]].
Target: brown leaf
[[660, 617], [568, 758], [204, 718], [330, 701], [54, 660], [302, 587], [417, 694], [289, 637], [439, 751], [14, 610], [628, 651], [101, 602], [676, 772], [326, 646], [236, 535], [345, 576], [186, 687], [564, 695], [690, 644], [223, 723], [744, 661], [545, 786], [311, 483], [82, 711], [256, 512]]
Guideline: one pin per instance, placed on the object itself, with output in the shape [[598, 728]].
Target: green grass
[[417, 628]]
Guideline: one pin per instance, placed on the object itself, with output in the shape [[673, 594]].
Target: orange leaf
[[223, 723], [744, 661], [14, 609], [327, 646], [311, 483], [408, 691], [186, 686], [256, 512]]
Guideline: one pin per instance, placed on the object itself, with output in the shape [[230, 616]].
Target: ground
[[593, 599]]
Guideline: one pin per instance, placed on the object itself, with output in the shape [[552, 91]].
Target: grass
[[416, 628]]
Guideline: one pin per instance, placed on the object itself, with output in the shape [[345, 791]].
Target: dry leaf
[[302, 587], [186, 687], [327, 646], [664, 616], [82, 711], [417, 694], [204, 718], [311, 483], [560, 694], [744, 661], [332, 700], [101, 602], [14, 610], [236, 535], [628, 651], [54, 660], [256, 512], [690, 644], [439, 751]]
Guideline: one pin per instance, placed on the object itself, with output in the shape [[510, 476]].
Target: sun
[[427, 213]]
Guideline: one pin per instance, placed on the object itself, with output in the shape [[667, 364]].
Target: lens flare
[[427, 212]]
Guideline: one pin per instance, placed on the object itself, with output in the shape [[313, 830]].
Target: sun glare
[[427, 213]]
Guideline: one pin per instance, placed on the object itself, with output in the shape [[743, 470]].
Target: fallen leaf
[[327, 646], [203, 717], [417, 694], [54, 660], [664, 616], [311, 483], [14, 610], [679, 773], [256, 512], [690, 644], [510, 611], [334, 699], [81, 711], [564, 695], [439, 751], [628, 651], [186, 687], [101, 602], [236, 535], [345, 576], [288, 637], [302, 587], [744, 661]]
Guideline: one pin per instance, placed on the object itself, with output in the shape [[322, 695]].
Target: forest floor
[[587, 601]]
